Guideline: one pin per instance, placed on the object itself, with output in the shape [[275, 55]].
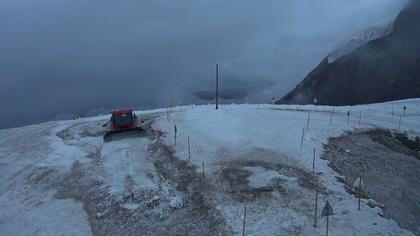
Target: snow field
[[278, 128], [248, 139]]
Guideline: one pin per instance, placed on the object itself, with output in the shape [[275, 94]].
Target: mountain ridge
[[384, 69]]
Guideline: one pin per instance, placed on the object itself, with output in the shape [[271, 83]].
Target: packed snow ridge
[[60, 178]]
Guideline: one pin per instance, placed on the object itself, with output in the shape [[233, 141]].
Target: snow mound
[[176, 202], [261, 177]]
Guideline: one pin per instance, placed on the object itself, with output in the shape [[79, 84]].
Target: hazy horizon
[[63, 59]]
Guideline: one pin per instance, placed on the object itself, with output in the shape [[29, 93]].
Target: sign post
[[273, 102], [327, 211]]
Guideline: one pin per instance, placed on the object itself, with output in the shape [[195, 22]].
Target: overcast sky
[[60, 58]]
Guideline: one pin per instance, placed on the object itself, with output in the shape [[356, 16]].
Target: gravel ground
[[389, 165]]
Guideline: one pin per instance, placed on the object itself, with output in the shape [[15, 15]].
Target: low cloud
[[71, 58]]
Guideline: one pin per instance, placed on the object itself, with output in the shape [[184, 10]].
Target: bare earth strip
[[389, 165]]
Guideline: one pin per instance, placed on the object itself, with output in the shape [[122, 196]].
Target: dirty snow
[[126, 165], [252, 157], [261, 177], [241, 129]]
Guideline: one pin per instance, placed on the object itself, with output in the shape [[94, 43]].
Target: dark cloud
[[63, 58]]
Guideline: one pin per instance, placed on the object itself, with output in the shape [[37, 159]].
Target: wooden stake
[[360, 192], [392, 111], [303, 134], [244, 224], [176, 130], [204, 175], [348, 117], [399, 123], [189, 148], [313, 163], [360, 117], [307, 123], [332, 112], [316, 205]]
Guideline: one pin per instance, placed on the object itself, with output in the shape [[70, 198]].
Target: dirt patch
[[398, 142], [389, 166], [198, 216], [136, 212], [234, 176], [85, 129]]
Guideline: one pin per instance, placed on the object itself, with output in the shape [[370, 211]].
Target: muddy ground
[[154, 216], [389, 164], [203, 196]]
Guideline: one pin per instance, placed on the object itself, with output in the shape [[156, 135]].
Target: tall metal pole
[[217, 86]]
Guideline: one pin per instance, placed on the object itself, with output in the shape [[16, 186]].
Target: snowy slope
[[63, 172], [241, 132]]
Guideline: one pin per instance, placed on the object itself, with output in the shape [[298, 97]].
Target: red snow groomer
[[123, 123]]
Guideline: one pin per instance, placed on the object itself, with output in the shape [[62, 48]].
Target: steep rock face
[[384, 69]]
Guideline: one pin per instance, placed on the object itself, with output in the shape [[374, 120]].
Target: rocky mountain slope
[[384, 69]]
